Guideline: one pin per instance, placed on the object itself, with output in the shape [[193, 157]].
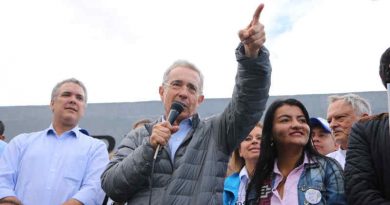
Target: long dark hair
[[268, 152]]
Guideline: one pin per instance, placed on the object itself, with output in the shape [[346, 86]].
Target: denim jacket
[[321, 183]]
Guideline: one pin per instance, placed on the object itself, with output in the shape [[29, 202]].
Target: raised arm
[[253, 81]]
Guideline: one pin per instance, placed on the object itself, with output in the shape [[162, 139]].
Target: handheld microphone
[[174, 112]]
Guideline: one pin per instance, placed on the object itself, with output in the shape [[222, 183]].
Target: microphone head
[[178, 106]]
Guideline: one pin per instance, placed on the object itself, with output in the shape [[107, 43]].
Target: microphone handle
[[156, 152]]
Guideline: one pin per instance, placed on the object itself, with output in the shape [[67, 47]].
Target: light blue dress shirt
[[2, 146], [178, 137], [46, 169]]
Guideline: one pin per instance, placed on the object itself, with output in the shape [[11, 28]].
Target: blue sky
[[121, 48]]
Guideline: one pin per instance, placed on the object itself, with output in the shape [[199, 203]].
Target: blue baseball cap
[[320, 122]]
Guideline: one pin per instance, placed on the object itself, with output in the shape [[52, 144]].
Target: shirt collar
[[185, 121], [244, 174], [301, 166], [342, 152], [75, 132]]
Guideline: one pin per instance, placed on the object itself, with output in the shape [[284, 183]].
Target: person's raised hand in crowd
[[253, 36]]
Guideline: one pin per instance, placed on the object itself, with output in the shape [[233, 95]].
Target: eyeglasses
[[178, 85]]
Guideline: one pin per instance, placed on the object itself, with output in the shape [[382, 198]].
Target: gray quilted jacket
[[197, 173]]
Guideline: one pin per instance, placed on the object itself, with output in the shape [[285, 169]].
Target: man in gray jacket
[[191, 167]]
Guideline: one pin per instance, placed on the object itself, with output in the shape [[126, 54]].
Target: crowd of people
[[230, 158]]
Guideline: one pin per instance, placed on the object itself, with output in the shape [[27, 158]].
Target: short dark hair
[[384, 69], [385, 58], [1, 128]]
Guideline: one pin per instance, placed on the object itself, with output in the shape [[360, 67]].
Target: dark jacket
[[367, 169], [197, 173]]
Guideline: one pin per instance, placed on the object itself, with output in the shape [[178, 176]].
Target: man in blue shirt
[[2, 137], [58, 165], [2, 146]]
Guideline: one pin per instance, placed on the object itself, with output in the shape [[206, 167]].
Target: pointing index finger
[[256, 15]]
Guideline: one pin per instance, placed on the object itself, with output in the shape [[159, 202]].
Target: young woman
[[289, 171], [242, 164]]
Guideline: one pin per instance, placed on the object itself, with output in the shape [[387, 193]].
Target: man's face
[[183, 86], [323, 141], [341, 117], [68, 105]]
